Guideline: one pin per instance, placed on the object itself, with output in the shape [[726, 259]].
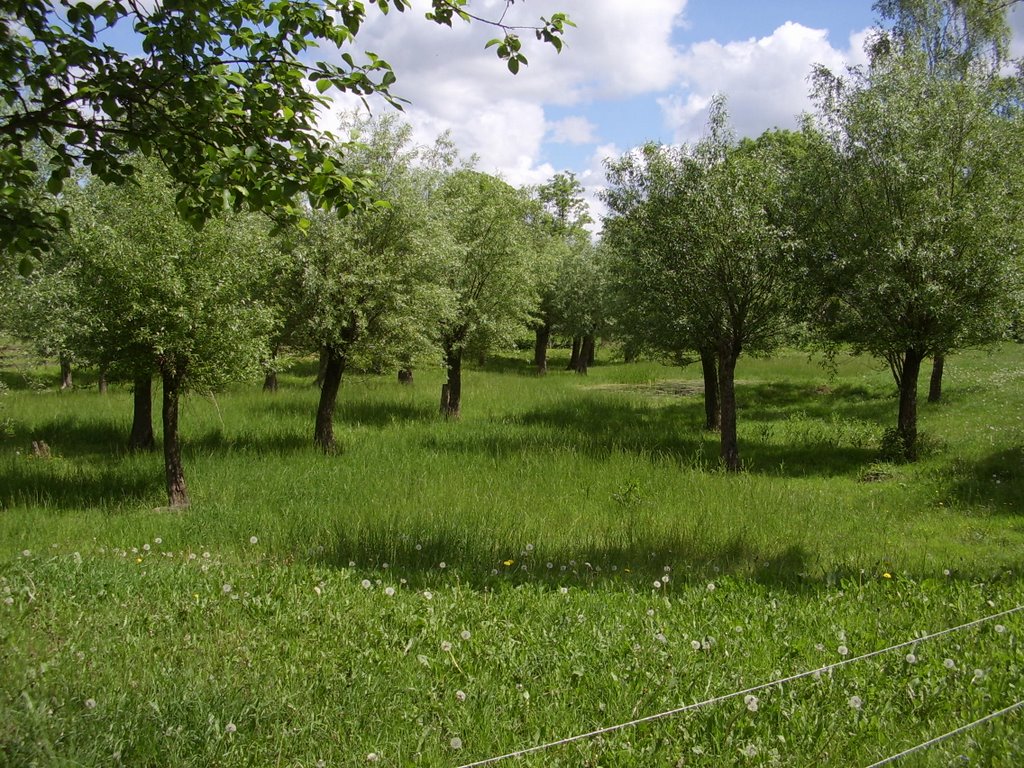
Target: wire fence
[[763, 686]]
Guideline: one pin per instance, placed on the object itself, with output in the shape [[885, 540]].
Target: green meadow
[[568, 556]]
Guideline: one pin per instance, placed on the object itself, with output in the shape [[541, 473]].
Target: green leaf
[[322, 85]]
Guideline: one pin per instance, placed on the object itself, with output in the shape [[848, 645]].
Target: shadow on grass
[[67, 488], [71, 437], [997, 482], [600, 427], [356, 412]]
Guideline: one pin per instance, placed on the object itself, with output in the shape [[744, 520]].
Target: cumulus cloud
[[765, 79], [573, 130], [454, 85]]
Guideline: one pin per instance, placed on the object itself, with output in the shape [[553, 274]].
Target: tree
[[371, 282], [956, 37], [224, 94], [489, 271], [715, 252], [561, 224], [154, 294], [914, 248]]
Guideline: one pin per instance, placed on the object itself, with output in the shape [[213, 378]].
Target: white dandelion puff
[[949, 664], [456, 743], [465, 634], [911, 658], [695, 644], [90, 703], [460, 695], [842, 650], [855, 702], [389, 591], [365, 583], [751, 701], [230, 728], [428, 595], [254, 540], [226, 589], [446, 646], [1000, 628]]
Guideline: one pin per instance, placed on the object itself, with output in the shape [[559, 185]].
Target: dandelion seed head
[[657, 584], [366, 584], [949, 664], [226, 589], [230, 728], [26, 553], [979, 674], [711, 586], [564, 590], [446, 646], [842, 650], [911, 658], [206, 555], [660, 637], [442, 565], [428, 595], [254, 540], [529, 547], [695, 644], [158, 540], [465, 634], [389, 591], [856, 702], [751, 701], [372, 757], [145, 547], [8, 600], [460, 695], [456, 743], [90, 703], [1000, 628]]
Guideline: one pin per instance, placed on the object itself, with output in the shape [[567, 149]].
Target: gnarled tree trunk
[[141, 437], [540, 348], [323, 433], [730, 451], [65, 372], [712, 409], [585, 355], [451, 391], [935, 385], [907, 422], [591, 345], [174, 471], [574, 357], [101, 382], [322, 367]]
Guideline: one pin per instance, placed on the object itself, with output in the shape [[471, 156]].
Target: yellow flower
[[138, 559], [509, 562], [886, 575]]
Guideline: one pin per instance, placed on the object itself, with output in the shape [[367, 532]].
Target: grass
[[537, 526]]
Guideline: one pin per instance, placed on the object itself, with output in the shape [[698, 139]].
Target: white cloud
[[765, 79], [453, 84], [1016, 19], [573, 130]]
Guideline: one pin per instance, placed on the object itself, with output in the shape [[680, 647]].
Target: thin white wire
[[725, 697], [951, 734]]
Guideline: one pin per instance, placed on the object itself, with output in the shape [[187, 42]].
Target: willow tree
[[371, 282], [712, 256], [919, 178], [153, 294], [488, 271]]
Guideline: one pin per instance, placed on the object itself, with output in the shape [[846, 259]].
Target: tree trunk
[[65, 373], [935, 385], [405, 375], [270, 381], [323, 434], [102, 381], [322, 368], [712, 408], [727, 396], [174, 472], [574, 359], [586, 353], [141, 437], [591, 346], [451, 392], [907, 424], [540, 348]]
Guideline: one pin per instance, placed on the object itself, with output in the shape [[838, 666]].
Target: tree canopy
[[224, 94]]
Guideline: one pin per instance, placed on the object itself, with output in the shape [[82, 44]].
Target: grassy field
[[567, 556]]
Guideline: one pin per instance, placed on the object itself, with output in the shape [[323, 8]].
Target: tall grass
[[538, 524]]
